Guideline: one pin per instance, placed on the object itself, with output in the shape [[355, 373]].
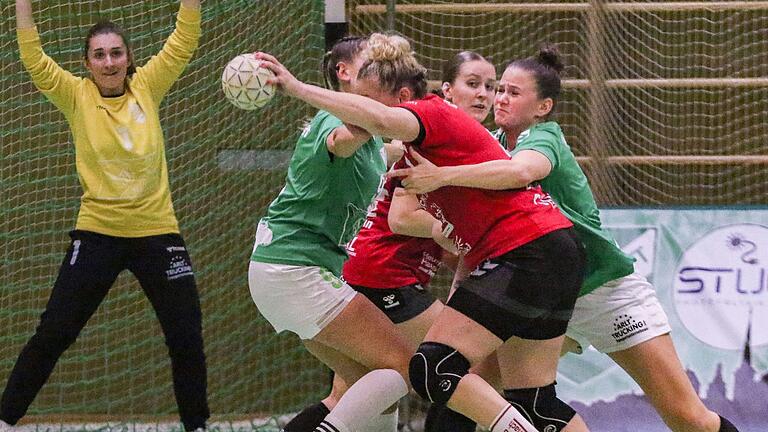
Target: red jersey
[[482, 223], [379, 258]]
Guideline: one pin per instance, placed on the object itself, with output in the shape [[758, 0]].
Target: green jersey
[[568, 186], [324, 201]]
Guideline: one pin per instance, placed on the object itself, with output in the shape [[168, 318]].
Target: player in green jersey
[[527, 93], [333, 176]]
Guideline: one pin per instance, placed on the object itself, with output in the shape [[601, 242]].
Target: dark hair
[[545, 67], [451, 67], [346, 49], [391, 59], [107, 27]]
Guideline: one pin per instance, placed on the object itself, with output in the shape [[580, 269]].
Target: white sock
[[383, 423], [510, 419], [365, 399]]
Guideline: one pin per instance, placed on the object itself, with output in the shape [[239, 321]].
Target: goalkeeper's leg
[[89, 269], [177, 306]]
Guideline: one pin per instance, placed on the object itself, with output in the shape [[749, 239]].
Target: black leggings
[[93, 261]]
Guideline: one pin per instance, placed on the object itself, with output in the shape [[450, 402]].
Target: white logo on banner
[[721, 287]]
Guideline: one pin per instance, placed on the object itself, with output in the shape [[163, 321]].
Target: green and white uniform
[[568, 186], [616, 308], [299, 248]]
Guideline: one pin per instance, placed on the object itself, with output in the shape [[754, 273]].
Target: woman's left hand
[[284, 79]]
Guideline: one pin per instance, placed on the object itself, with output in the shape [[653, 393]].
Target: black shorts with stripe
[[399, 304], [528, 292]]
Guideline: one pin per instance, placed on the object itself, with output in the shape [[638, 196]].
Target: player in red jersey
[[529, 264]]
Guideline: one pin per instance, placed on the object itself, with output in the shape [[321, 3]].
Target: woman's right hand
[[422, 177], [24, 17], [284, 79]]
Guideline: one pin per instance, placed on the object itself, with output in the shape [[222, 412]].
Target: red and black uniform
[[533, 265], [392, 270]]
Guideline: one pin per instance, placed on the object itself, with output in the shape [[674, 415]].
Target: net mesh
[[119, 367], [664, 106], [664, 103]]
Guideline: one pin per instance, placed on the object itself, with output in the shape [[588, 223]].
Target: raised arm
[[163, 69], [524, 168], [373, 116], [24, 17], [57, 84]]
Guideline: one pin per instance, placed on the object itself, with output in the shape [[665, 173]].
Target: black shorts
[[399, 304], [528, 292]]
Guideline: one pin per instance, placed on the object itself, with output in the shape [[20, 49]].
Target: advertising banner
[[709, 267]]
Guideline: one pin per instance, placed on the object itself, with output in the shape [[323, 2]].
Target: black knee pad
[[440, 418], [436, 370], [542, 407], [726, 426]]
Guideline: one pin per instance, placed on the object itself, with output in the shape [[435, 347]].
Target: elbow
[[342, 151], [378, 126], [522, 176], [397, 224], [527, 177], [340, 147]]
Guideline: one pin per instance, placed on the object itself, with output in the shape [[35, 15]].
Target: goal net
[[664, 102], [225, 166]]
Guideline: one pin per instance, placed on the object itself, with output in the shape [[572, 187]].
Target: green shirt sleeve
[[320, 129], [310, 169], [542, 141]]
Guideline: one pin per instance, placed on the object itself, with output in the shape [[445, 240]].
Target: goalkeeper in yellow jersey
[[126, 219]]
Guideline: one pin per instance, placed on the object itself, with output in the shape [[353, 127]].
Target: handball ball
[[245, 83]]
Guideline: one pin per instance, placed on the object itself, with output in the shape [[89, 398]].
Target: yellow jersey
[[119, 145]]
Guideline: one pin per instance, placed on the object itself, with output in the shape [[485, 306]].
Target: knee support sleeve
[[726, 426], [542, 407], [436, 370]]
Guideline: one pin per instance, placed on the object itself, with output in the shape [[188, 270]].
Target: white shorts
[[618, 315], [301, 299]]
